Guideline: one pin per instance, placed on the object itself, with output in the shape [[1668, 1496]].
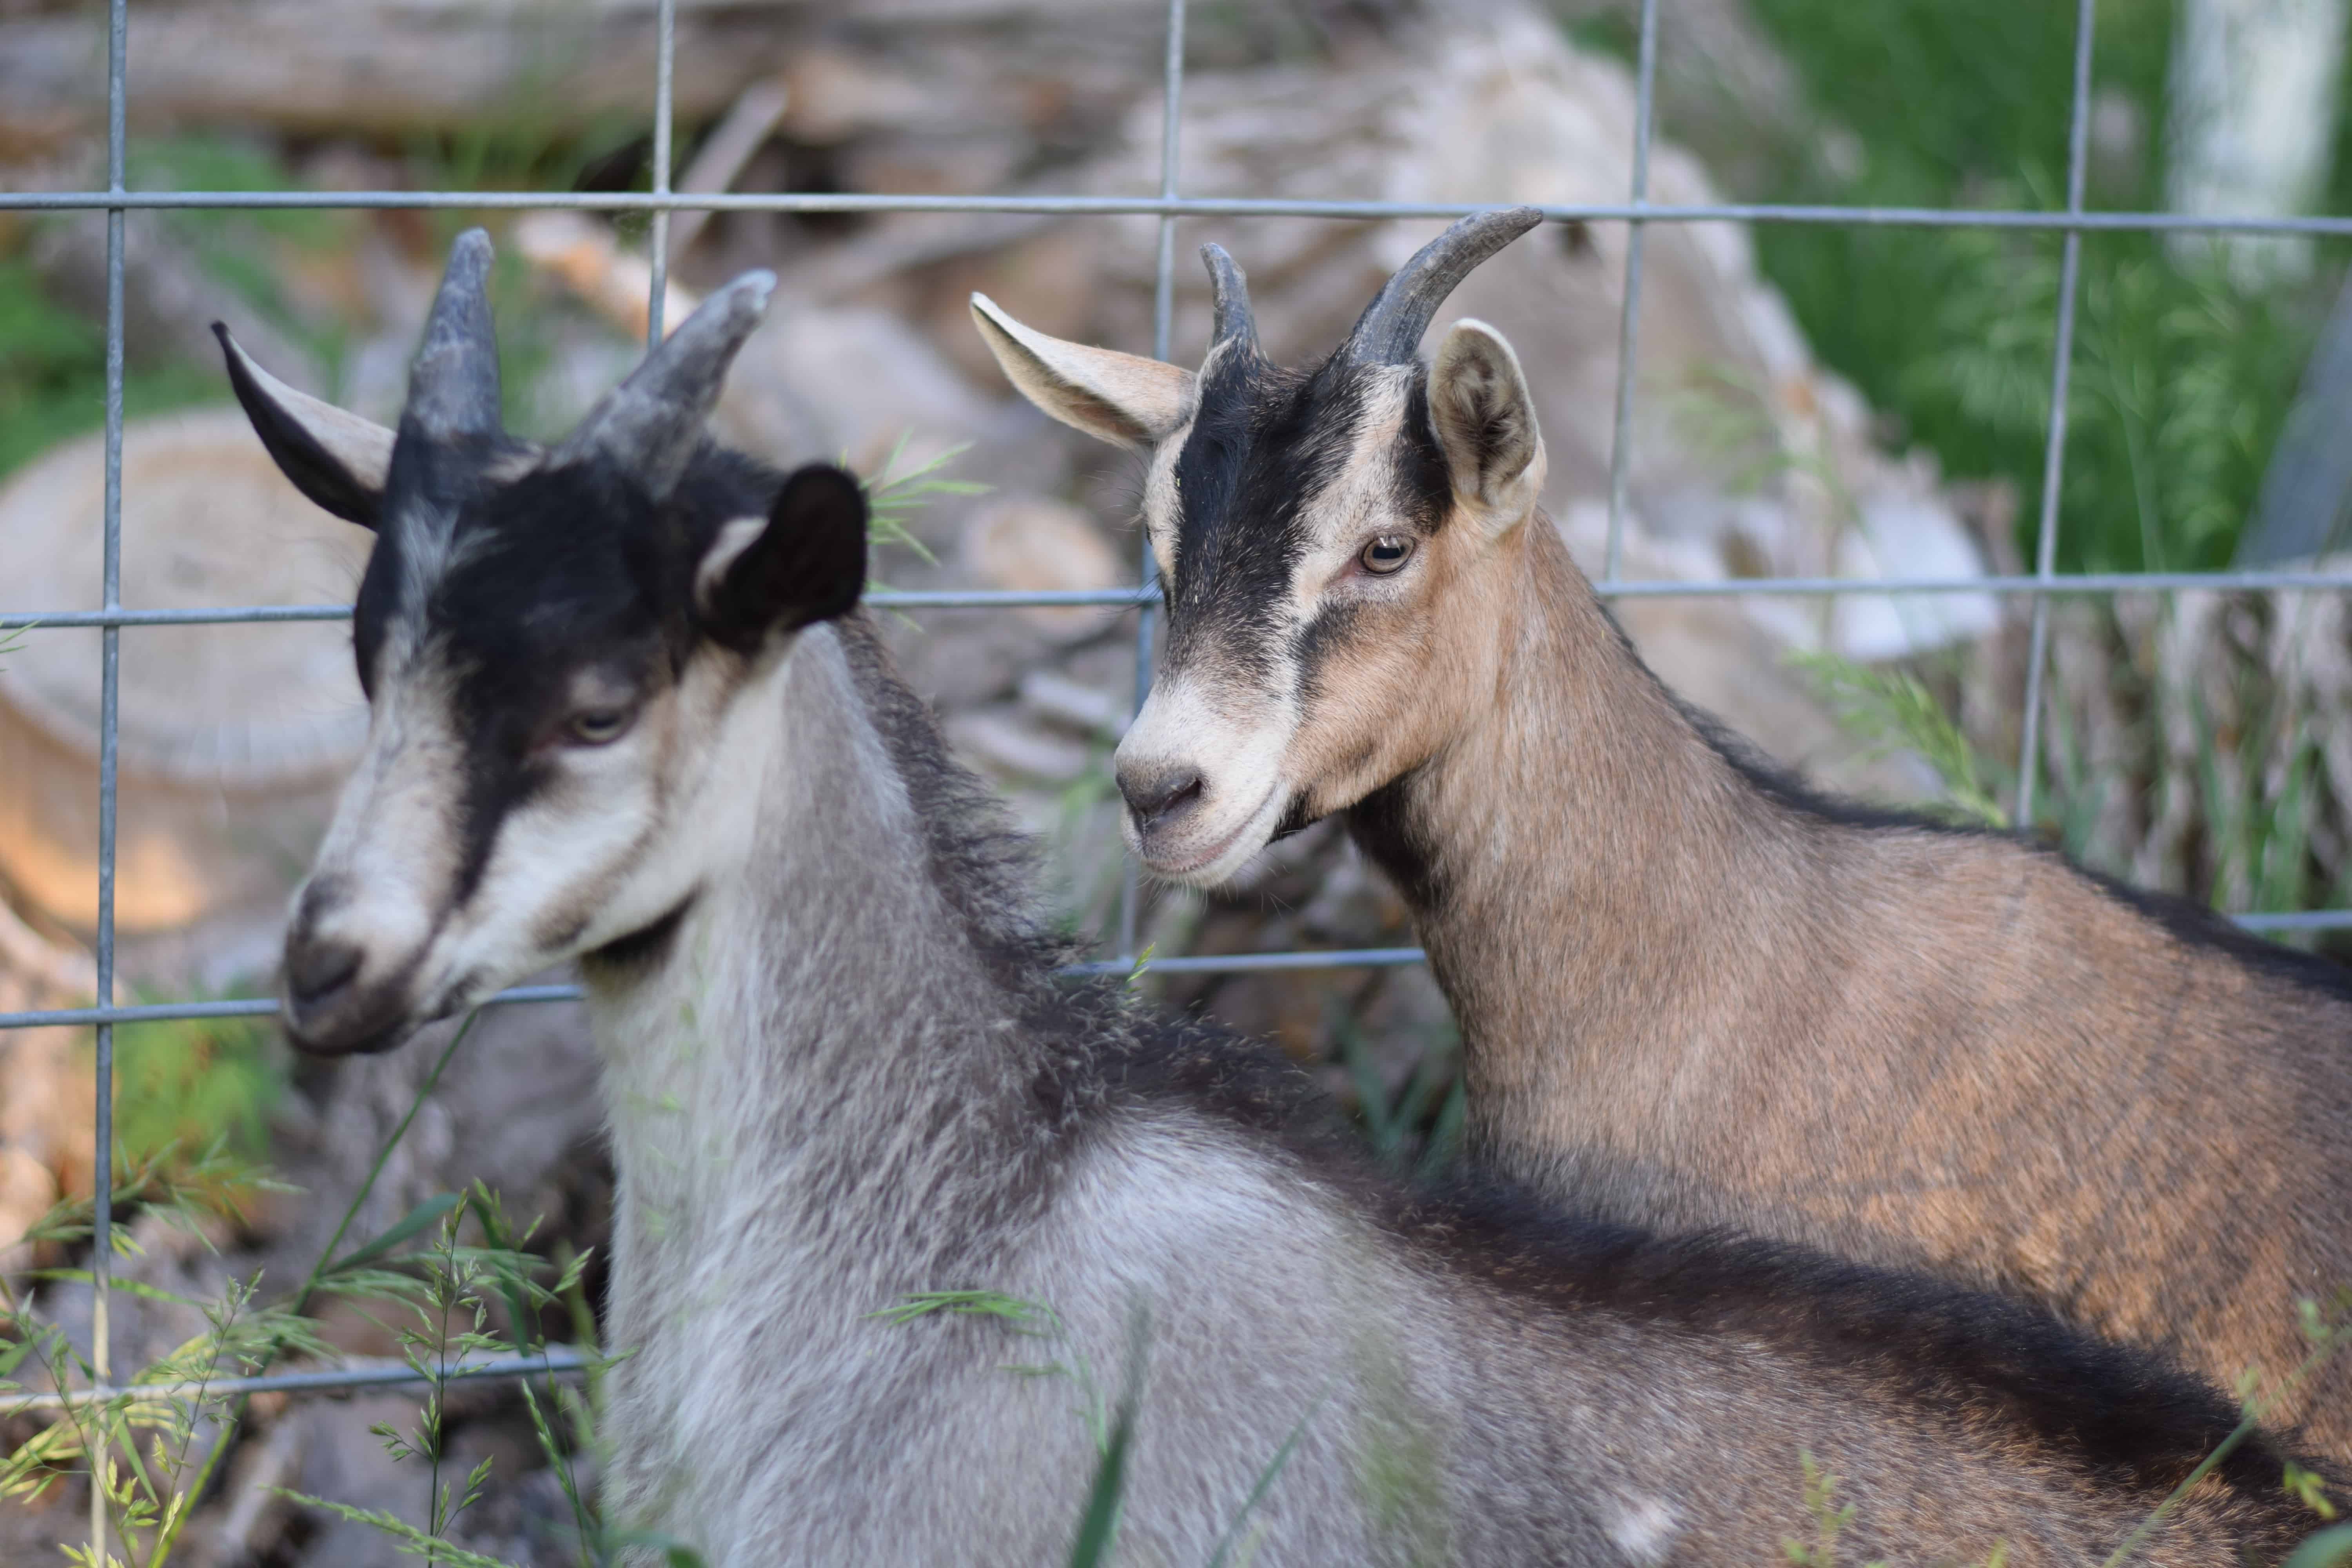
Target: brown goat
[[1691, 991]]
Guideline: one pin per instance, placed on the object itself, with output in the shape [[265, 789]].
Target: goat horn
[[1388, 332], [1234, 324], [651, 422], [453, 386]]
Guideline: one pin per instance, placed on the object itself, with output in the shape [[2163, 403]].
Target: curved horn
[[1234, 324], [453, 386], [651, 422], [1388, 332]]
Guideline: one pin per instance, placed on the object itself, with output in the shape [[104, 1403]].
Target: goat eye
[[597, 726], [1386, 553]]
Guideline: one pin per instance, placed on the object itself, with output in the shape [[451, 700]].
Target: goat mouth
[[1194, 864], [361, 1043], [377, 1020]]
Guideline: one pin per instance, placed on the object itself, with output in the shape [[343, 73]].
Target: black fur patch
[[2119, 1414], [557, 571], [1386, 828], [1263, 445], [646, 948]]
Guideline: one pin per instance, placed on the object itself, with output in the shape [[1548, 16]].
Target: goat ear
[[1486, 422], [1125, 399], [804, 561], [336, 458]]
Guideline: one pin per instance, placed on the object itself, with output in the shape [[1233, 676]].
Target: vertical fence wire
[[110, 679], [1163, 314], [2053, 462], [1628, 322], [658, 242]]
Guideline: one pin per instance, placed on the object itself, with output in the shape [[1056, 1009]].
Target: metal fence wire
[[1637, 211]]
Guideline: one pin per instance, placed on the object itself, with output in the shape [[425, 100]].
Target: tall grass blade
[[429, 1212], [1099, 1525], [1222, 1556]]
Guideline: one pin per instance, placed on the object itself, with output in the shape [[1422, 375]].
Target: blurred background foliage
[[2183, 376]]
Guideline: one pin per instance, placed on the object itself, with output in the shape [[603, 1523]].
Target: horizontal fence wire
[[2071, 223], [557, 1361], [2055, 221], [2094, 583]]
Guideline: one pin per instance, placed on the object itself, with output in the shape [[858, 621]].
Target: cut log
[[380, 70]]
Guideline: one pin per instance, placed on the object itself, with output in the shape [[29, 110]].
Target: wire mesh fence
[[2040, 587]]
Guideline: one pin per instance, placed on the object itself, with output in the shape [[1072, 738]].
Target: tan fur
[[1697, 1005]]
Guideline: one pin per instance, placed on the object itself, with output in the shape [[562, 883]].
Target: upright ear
[[1125, 399], [337, 459], [1486, 422], [804, 561]]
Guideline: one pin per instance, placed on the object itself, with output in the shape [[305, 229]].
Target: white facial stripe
[[1161, 500], [393, 845], [427, 551], [1360, 498], [554, 861]]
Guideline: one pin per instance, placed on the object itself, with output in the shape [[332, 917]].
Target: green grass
[[53, 369], [2182, 381], [194, 1084], [53, 375], [1892, 711]]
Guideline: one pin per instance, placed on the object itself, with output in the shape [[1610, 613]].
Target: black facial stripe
[[1421, 490], [1264, 445], [374, 607], [557, 571], [433, 484]]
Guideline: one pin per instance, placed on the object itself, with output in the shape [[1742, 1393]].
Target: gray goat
[[621, 710], [1692, 992]]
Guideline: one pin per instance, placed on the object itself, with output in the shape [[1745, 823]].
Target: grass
[[1893, 712], [2182, 380], [2256, 775], [194, 1084], [1414, 1131], [53, 374], [899, 491], [53, 378]]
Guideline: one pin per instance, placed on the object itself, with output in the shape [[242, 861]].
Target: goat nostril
[[316, 970], [1162, 796]]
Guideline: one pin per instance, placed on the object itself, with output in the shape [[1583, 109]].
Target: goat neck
[[857, 1054], [1577, 796]]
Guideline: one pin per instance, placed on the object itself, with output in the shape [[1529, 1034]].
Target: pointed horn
[[453, 386], [1234, 324], [651, 422], [1388, 332]]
